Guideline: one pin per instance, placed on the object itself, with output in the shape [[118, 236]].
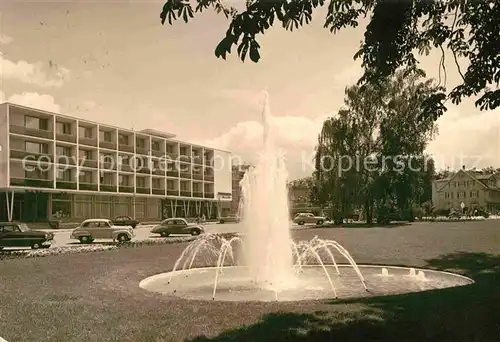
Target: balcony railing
[[158, 172], [184, 158], [126, 148], [186, 175], [209, 195], [198, 194], [172, 174], [88, 187], [186, 193], [126, 167], [66, 137], [172, 192], [171, 156], [108, 188], [66, 185], [107, 144], [126, 188], [32, 132], [34, 183], [87, 141], [65, 160], [158, 191], [38, 157], [198, 176], [88, 163], [108, 165], [157, 153], [141, 150], [141, 190], [209, 178], [197, 160]]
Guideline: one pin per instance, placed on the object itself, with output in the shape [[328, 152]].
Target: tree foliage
[[365, 157], [398, 29]]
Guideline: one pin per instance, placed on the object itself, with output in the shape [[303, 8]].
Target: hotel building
[[57, 166]]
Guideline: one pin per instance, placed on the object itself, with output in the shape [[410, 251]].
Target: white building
[[57, 165]]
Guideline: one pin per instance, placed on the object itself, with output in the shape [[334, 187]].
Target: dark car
[[17, 234], [125, 221], [177, 226]]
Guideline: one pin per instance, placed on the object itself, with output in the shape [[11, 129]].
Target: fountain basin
[[234, 284]]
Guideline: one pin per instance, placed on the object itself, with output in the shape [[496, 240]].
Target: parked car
[[17, 234], [302, 218], [177, 226], [232, 218], [125, 221], [92, 229]]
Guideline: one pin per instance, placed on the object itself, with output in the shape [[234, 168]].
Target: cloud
[[33, 73], [35, 100], [4, 39]]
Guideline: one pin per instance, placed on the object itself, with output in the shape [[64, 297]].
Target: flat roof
[[148, 131]]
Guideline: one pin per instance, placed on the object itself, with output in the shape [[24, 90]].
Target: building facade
[[238, 172], [57, 166], [474, 189]]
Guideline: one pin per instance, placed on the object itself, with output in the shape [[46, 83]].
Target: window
[[85, 177], [170, 184], [461, 194], [36, 123], [123, 180], [63, 128], [36, 147], [123, 139], [155, 145], [184, 186], [36, 174], [85, 132], [474, 194], [140, 143], [86, 154], [105, 136], [170, 149], [141, 182], [64, 175], [183, 151], [156, 164], [156, 182], [108, 178], [124, 160], [63, 151]]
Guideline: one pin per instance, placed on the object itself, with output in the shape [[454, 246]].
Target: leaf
[[254, 51]]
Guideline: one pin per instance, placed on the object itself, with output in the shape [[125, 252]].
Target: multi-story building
[[474, 189], [55, 165]]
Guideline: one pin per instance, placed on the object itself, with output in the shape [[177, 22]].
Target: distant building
[[238, 172], [299, 194], [474, 189]]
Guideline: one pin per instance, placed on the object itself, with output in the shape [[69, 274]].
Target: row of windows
[[107, 136], [461, 194]]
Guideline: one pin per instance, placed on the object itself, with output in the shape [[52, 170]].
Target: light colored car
[[303, 218], [177, 226], [90, 230]]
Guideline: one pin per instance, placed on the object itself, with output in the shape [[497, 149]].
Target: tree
[[397, 28], [371, 133]]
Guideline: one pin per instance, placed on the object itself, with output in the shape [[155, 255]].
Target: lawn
[[95, 296]]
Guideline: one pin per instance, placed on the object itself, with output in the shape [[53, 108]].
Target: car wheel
[[164, 234], [36, 245], [195, 232], [133, 226], [123, 238], [221, 221], [85, 239], [300, 223], [320, 222]]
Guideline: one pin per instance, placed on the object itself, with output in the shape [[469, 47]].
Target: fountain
[[265, 264]]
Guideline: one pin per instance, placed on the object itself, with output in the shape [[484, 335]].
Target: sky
[[113, 62]]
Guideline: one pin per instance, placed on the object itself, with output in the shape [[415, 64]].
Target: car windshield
[[23, 227]]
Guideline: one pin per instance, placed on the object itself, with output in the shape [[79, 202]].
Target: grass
[[95, 296]]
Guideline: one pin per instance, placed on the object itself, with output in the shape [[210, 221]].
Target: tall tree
[[372, 134], [469, 29]]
